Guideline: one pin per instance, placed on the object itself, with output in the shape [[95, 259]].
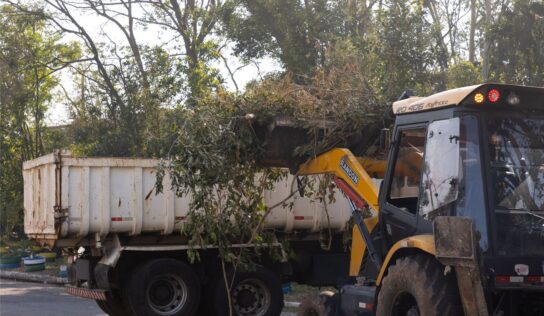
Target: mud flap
[[94, 294], [456, 246]]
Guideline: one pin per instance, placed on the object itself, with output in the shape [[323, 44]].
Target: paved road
[[29, 299], [34, 299]]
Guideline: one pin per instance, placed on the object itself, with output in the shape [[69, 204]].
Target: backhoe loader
[[457, 225]]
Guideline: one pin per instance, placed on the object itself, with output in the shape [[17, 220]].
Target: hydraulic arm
[[353, 180]]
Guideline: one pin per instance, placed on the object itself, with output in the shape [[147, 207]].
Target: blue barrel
[[9, 265]]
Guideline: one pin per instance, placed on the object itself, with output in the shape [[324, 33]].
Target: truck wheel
[[253, 293], [416, 285], [163, 287], [113, 305]]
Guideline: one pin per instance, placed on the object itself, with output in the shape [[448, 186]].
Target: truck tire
[[253, 293], [113, 305], [416, 285], [163, 287], [105, 308]]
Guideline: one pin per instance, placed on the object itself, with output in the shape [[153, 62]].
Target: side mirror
[[385, 139]]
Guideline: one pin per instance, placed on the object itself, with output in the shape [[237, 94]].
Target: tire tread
[[436, 294]]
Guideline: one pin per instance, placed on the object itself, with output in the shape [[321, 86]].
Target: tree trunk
[[443, 55], [471, 44], [487, 41]]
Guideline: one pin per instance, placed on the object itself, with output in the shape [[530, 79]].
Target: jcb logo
[[349, 172]]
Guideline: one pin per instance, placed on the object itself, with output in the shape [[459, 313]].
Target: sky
[[95, 25]]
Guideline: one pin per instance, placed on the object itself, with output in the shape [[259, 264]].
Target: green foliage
[[216, 153], [295, 32], [202, 79], [395, 42], [517, 55], [11, 184], [463, 74], [195, 22], [141, 124], [28, 59], [402, 50], [214, 159]]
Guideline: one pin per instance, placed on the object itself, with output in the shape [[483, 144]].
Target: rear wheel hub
[[167, 294], [251, 297]]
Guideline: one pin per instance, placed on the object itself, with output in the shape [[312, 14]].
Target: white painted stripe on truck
[[303, 218]]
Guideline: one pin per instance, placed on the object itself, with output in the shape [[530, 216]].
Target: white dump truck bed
[[67, 198]]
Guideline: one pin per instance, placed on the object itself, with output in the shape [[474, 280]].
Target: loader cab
[[475, 152]]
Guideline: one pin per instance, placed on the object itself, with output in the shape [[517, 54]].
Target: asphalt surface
[[35, 299], [29, 299]]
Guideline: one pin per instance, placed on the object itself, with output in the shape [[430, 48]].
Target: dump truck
[[456, 227], [127, 252]]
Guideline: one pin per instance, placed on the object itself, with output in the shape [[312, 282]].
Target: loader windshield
[[516, 147]]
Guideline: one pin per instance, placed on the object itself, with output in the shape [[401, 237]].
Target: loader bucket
[[283, 137]]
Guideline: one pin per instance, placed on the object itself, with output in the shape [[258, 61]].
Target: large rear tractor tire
[[163, 287], [418, 286], [253, 293]]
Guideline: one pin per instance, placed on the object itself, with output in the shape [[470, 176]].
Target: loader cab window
[[406, 178], [452, 178], [516, 149], [440, 180]]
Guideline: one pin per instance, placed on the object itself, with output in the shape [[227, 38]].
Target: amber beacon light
[[479, 97]]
